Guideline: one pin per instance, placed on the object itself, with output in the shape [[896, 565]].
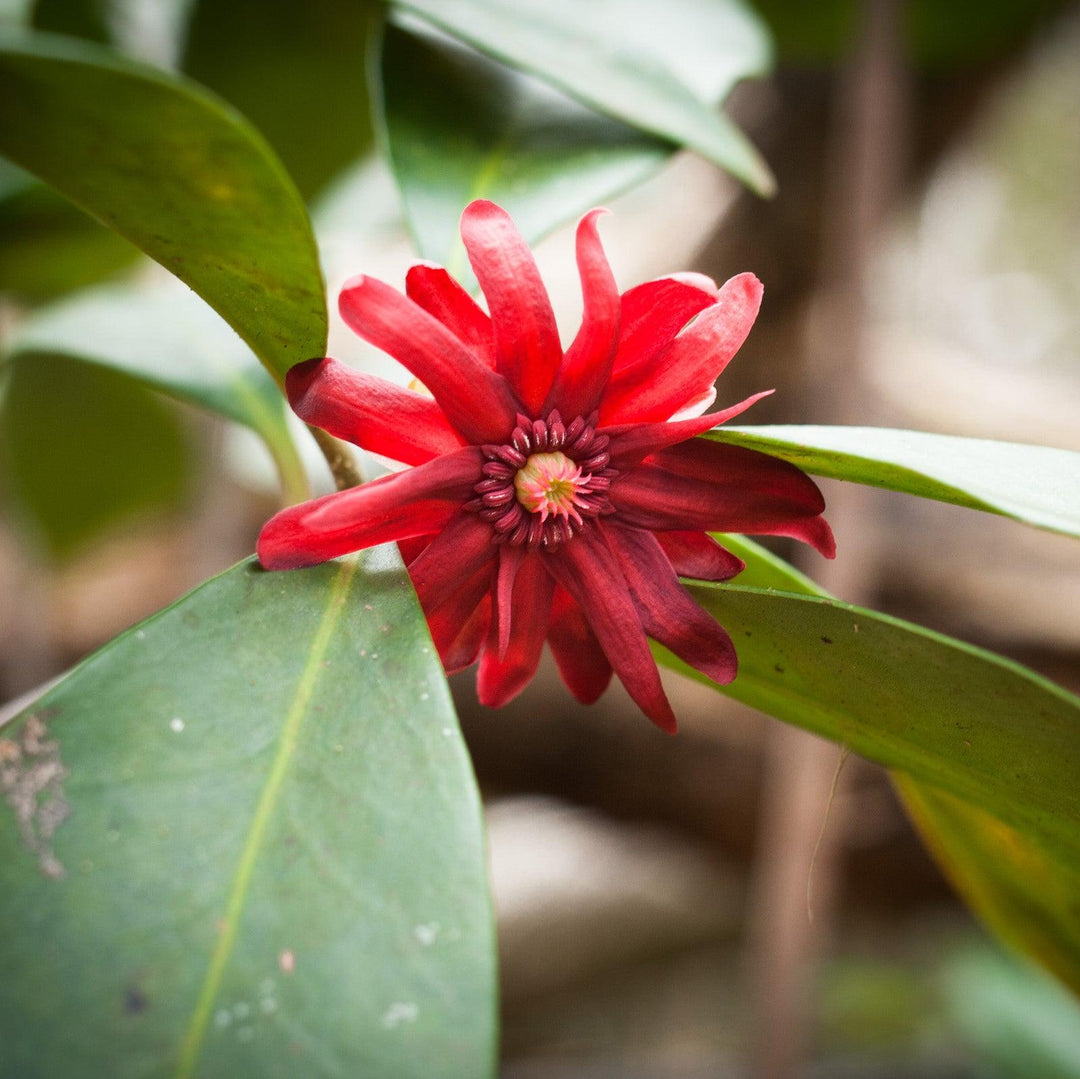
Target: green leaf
[[661, 68], [977, 721], [83, 451], [460, 126], [176, 172], [244, 839], [1038, 485], [296, 71]]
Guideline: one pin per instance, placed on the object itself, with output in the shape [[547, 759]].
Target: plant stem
[[339, 458], [290, 469]]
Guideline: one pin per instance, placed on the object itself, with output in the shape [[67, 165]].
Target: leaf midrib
[[192, 1043]]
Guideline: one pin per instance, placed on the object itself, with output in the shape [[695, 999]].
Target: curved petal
[[580, 659], [698, 555], [370, 412], [586, 366], [527, 348], [461, 549], [587, 570], [653, 313], [408, 503], [476, 400], [631, 443], [440, 295], [668, 614], [459, 624], [673, 378], [503, 675], [691, 487]]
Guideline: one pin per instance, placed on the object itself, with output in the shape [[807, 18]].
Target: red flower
[[552, 495]]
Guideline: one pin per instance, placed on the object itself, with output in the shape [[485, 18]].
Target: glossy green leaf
[[662, 68], [84, 451], [980, 726], [460, 126], [165, 337], [1023, 881], [1038, 485], [176, 172], [295, 70], [244, 839]]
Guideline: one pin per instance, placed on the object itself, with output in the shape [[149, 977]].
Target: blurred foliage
[[296, 71], [83, 450]]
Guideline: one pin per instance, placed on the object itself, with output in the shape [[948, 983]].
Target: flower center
[[544, 486], [550, 484]]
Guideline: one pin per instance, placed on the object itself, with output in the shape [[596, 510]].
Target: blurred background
[[742, 899]]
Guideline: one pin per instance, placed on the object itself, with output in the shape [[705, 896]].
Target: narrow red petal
[[476, 400], [440, 295], [700, 486], [408, 503], [668, 614], [586, 367], [588, 571], [653, 313], [502, 676], [460, 550], [459, 624], [674, 377], [510, 559], [527, 348], [580, 659], [631, 443], [695, 554], [369, 411]]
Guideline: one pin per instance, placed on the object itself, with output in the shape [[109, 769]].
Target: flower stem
[[339, 458], [290, 470]]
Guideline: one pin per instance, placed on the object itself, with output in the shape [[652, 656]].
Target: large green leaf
[[1039, 485], [166, 338], [176, 172], [295, 70], [661, 68], [460, 126], [84, 451], [244, 839], [988, 753]]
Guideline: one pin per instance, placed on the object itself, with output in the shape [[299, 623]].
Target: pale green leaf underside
[[271, 861], [1038, 485], [178, 173], [661, 68]]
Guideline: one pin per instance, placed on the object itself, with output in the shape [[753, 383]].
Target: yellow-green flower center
[[550, 484]]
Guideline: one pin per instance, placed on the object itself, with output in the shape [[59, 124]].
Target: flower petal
[[586, 366], [369, 411], [510, 559], [701, 486], [668, 614], [580, 659], [502, 676], [476, 400], [408, 503], [440, 295], [527, 348], [460, 550], [653, 313], [585, 568], [696, 554], [459, 624], [673, 378], [631, 443]]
